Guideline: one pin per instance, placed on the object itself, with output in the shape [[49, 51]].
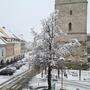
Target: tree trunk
[[80, 74], [61, 79], [58, 73], [49, 77], [42, 74], [45, 70]]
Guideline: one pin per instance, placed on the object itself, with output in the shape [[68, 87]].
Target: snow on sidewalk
[[70, 83]]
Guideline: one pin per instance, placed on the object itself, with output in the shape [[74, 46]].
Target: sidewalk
[[68, 83]]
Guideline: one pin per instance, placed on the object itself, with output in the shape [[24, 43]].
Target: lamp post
[[80, 68], [62, 68], [29, 59]]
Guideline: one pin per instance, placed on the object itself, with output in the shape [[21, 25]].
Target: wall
[[9, 50], [2, 52], [17, 49], [74, 12], [78, 17], [88, 47]]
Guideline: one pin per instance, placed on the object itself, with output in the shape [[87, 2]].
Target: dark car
[[7, 71], [13, 68], [17, 66], [42, 88]]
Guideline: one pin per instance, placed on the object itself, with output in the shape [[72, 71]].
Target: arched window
[[70, 26], [70, 12]]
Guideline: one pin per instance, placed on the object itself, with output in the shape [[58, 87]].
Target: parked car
[[11, 67], [24, 60], [7, 71], [21, 63], [17, 66]]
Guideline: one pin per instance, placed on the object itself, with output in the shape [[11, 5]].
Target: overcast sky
[[18, 16]]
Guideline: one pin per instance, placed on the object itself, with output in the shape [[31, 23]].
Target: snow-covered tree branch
[[47, 51]]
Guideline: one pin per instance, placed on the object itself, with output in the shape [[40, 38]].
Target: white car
[[11, 67]]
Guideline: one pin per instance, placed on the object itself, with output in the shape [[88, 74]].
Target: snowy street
[[18, 74], [24, 67], [4, 78]]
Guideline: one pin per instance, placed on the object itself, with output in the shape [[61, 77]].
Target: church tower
[[73, 19]]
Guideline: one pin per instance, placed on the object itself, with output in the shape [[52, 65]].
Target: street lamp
[[80, 68], [62, 67]]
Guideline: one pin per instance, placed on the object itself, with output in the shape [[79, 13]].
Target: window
[[88, 59], [88, 38], [70, 12], [2, 52], [70, 26], [88, 50]]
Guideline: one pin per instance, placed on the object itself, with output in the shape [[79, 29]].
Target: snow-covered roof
[[2, 42], [1, 35], [4, 32], [14, 36]]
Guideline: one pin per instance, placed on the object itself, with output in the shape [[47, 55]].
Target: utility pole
[[61, 79], [62, 73]]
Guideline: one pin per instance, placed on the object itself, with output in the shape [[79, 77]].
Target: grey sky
[[18, 16]]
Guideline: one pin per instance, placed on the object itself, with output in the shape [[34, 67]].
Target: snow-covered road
[[22, 69], [4, 78]]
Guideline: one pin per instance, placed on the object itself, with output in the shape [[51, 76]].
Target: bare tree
[[46, 49], [54, 49]]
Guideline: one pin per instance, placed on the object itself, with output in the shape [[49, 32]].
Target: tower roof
[[70, 1]]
